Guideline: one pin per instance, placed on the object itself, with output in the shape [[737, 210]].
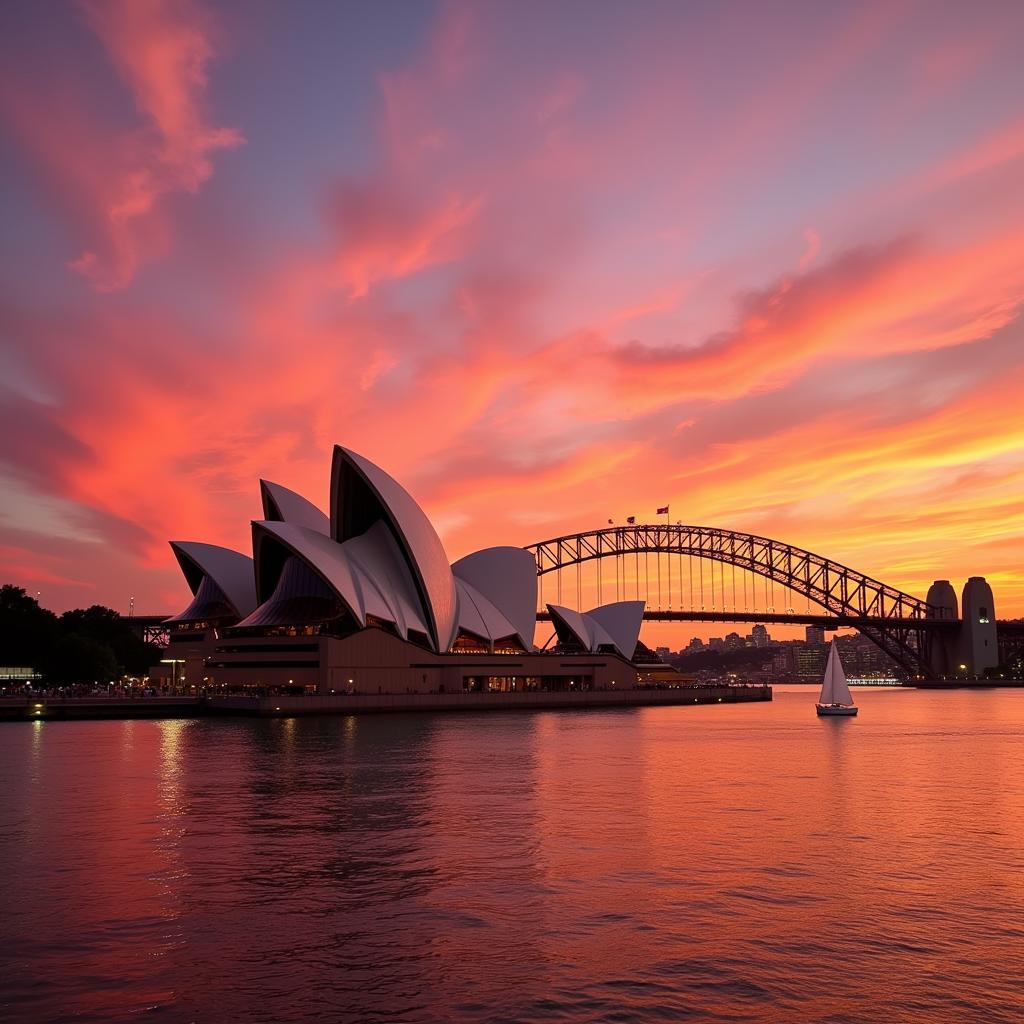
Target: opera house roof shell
[[377, 561], [612, 626]]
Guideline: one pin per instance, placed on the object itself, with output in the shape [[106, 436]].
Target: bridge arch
[[893, 619]]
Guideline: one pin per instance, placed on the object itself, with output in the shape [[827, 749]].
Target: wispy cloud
[[115, 177], [542, 284]]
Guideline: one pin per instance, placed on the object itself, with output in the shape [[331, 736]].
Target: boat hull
[[835, 709]]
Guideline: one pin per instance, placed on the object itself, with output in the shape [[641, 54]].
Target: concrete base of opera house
[[376, 662], [363, 703]]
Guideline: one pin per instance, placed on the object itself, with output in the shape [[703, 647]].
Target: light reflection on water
[[722, 863]]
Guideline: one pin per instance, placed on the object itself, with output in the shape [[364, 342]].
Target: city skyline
[[779, 292]]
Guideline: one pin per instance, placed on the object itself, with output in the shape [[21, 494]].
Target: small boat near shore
[[835, 697]]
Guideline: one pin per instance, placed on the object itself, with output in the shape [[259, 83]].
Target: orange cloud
[[899, 297], [930, 496], [909, 500]]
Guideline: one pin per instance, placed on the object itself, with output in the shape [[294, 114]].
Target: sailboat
[[835, 698]]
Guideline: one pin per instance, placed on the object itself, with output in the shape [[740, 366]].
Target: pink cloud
[[384, 236], [866, 303], [160, 51], [812, 243], [113, 178]]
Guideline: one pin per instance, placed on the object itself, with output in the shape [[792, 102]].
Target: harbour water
[[725, 863]]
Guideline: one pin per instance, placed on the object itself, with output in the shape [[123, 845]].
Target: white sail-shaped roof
[[570, 623], [361, 495], [231, 571], [621, 620], [281, 505], [373, 600], [479, 616], [507, 578], [384, 579], [322, 554], [368, 573], [614, 625], [470, 618]]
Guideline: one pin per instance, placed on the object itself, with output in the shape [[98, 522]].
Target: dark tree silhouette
[[81, 659], [27, 631], [98, 637]]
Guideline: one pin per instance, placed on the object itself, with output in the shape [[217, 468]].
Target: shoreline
[[18, 709]]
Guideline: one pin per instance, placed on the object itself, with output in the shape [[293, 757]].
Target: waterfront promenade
[[51, 708]]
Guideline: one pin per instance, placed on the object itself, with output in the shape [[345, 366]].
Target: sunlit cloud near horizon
[[549, 265]]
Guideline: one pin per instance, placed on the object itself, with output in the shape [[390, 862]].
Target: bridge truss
[[1011, 645], [897, 622]]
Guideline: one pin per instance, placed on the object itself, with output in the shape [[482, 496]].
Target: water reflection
[[307, 852], [644, 865]]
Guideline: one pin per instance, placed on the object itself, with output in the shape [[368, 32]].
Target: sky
[[547, 264]]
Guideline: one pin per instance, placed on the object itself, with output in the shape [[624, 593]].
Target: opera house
[[366, 601]]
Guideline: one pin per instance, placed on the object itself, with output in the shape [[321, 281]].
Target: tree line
[[84, 645]]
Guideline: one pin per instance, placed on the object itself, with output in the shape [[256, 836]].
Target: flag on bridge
[[631, 520], [662, 511]]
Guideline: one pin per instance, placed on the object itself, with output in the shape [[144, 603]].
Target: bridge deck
[[792, 618]]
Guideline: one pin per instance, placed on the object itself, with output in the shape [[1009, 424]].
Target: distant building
[[782, 661], [797, 660], [716, 643], [733, 642], [19, 674], [815, 634], [759, 634], [862, 657], [663, 653], [809, 661], [664, 677], [696, 644]]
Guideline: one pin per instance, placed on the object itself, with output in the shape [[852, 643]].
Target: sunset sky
[[548, 264]]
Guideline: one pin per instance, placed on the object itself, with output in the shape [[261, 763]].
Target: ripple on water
[[627, 867]]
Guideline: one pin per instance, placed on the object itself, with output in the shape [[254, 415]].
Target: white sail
[[833, 688]]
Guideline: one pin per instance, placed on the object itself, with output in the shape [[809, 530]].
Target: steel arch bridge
[[899, 623]]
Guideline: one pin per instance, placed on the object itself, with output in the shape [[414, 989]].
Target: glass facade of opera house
[[365, 600]]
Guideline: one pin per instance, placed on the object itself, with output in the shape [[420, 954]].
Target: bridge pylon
[[978, 647]]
